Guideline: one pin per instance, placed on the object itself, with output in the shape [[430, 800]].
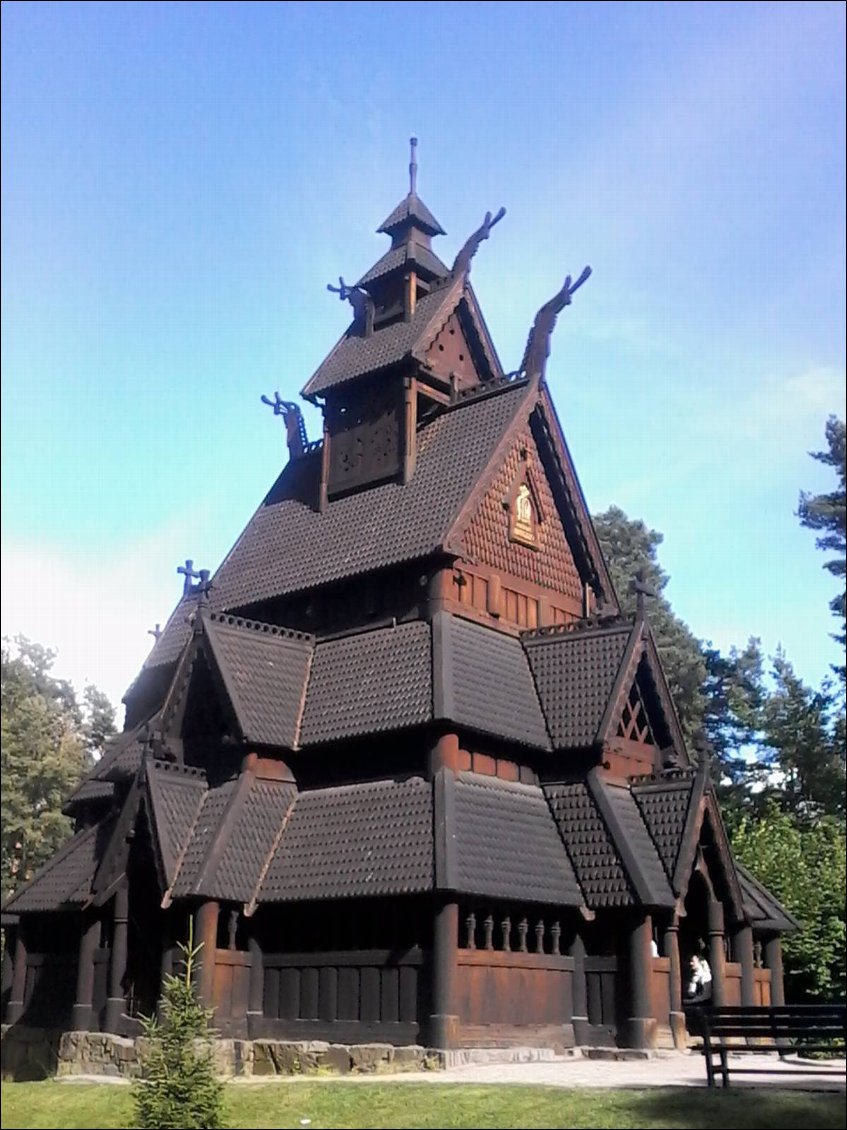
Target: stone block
[[336, 1058], [368, 1058], [409, 1059]]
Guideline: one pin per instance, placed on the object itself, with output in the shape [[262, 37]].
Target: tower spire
[[413, 166]]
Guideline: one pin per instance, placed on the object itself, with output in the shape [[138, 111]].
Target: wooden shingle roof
[[411, 208], [264, 669], [483, 681], [763, 909], [65, 881], [575, 673], [664, 803], [613, 854], [369, 682], [356, 355], [406, 256], [507, 845], [373, 838], [290, 546]]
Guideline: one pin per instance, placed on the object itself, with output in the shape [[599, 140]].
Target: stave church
[[401, 760]]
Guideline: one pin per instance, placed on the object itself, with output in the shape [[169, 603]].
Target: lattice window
[[634, 723]]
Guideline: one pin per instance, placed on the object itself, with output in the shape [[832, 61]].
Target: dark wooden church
[[413, 774]]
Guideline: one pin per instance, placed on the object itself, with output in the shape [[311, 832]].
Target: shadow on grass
[[744, 1108]]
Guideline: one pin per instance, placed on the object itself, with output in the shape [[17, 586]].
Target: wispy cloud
[[95, 614]]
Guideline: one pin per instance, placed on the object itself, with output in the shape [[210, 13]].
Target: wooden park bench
[[793, 1028]]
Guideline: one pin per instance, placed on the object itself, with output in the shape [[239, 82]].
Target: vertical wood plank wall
[[508, 997], [348, 995]]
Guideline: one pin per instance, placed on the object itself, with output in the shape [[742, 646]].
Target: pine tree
[[828, 512], [735, 694], [178, 1088], [629, 546], [806, 743], [47, 747]]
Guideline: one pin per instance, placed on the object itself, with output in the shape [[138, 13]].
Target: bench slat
[[779, 1025]]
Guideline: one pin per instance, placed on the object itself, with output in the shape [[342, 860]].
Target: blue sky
[[181, 180]]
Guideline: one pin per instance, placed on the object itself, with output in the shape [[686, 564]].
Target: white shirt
[[701, 980]]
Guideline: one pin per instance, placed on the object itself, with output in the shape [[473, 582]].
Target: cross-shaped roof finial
[[155, 632], [642, 590], [413, 166], [201, 576]]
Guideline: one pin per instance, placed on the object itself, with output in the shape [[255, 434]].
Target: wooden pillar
[[169, 952], [206, 935], [410, 425], [670, 949], [773, 961], [439, 590], [81, 1016], [116, 1001], [255, 1003], [742, 952], [641, 1024], [444, 754], [15, 1008], [323, 489], [445, 943], [717, 953], [580, 990], [8, 972], [410, 295]]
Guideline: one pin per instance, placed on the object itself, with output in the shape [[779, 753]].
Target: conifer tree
[[178, 1088]]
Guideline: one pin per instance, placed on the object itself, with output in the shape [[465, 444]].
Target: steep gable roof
[[678, 806], [665, 802], [634, 843], [355, 354], [176, 796], [615, 859], [233, 838], [595, 858], [406, 255], [89, 792], [206, 832], [576, 672], [289, 546], [265, 669], [122, 756], [65, 881], [411, 207], [584, 673]]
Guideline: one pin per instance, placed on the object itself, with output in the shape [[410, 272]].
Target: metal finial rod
[[413, 166]]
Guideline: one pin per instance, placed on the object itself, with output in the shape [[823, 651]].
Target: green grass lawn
[[56, 1106]]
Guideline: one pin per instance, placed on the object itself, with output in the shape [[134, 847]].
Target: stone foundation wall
[[30, 1053]]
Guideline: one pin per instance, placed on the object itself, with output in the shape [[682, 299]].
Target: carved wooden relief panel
[[365, 439]]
